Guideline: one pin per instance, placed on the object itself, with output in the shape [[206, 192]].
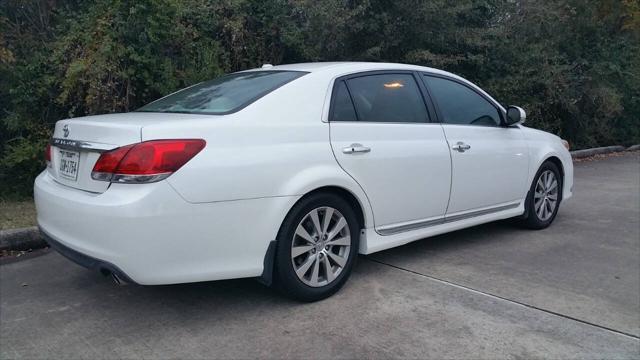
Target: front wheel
[[544, 197], [317, 247]]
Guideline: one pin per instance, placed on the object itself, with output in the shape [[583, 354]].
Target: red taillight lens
[[148, 161], [159, 156], [108, 161], [47, 154]]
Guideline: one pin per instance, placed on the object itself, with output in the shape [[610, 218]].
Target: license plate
[[69, 162]]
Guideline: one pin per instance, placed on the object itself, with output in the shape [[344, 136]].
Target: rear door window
[[342, 109], [390, 97], [223, 95]]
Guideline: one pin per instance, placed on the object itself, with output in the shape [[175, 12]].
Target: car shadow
[[484, 234], [249, 291]]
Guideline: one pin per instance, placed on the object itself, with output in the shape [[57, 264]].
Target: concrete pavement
[[586, 265], [493, 291]]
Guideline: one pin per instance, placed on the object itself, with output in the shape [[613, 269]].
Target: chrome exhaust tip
[[114, 277], [117, 280]]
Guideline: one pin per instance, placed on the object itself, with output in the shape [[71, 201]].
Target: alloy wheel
[[545, 197], [320, 247]]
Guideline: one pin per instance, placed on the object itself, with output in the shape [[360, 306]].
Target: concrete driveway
[[493, 291]]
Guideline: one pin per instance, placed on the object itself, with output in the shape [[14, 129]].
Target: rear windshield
[[223, 95]]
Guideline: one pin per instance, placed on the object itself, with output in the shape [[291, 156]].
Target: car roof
[[336, 69], [343, 67]]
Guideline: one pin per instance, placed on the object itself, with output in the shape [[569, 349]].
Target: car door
[[382, 137], [489, 161]]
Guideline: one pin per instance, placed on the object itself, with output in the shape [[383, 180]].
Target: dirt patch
[[11, 256], [606, 156], [17, 214]]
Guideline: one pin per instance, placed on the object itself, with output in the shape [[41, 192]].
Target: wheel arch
[[557, 162], [330, 178], [344, 193]]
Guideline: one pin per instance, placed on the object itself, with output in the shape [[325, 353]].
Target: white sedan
[[286, 173]]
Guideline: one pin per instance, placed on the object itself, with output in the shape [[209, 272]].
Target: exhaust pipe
[[116, 279]]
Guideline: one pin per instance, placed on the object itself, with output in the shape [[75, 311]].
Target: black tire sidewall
[[286, 278]]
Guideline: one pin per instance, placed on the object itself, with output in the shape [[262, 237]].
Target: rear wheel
[[317, 247], [544, 197]]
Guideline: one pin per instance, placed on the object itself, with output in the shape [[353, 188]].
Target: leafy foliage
[[573, 64]]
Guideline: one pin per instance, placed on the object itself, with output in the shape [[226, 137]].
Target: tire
[[321, 257], [540, 195]]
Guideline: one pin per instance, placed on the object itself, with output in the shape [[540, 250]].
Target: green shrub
[[574, 65]]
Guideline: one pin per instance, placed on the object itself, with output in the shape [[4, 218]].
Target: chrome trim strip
[[132, 179], [481, 212], [395, 229], [78, 145]]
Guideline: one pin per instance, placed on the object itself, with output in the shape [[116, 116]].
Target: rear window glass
[[223, 95]]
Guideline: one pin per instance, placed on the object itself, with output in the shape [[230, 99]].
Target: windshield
[[223, 95]]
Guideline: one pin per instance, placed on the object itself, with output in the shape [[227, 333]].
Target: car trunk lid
[[77, 144]]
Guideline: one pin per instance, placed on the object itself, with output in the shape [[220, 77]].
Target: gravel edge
[[21, 239], [596, 151]]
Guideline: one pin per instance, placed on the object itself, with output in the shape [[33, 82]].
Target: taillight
[[107, 163], [145, 162], [47, 154]]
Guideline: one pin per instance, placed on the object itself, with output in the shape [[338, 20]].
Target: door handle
[[461, 147], [355, 148]]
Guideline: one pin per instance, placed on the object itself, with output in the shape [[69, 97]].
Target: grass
[[17, 214]]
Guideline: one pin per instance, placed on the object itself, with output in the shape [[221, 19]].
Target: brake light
[[47, 154], [107, 163], [146, 162]]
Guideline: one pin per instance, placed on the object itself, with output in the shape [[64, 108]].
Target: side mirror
[[516, 115]]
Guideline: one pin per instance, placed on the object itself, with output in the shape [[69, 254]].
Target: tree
[[573, 64]]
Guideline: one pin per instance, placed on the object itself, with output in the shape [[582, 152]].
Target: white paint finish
[[114, 129], [493, 171], [155, 237], [376, 242], [257, 151], [407, 173], [110, 131], [259, 161], [543, 146]]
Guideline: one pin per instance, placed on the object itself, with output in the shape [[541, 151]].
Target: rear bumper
[[84, 260], [150, 235]]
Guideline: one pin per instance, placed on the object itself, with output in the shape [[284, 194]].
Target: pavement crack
[[498, 297]]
